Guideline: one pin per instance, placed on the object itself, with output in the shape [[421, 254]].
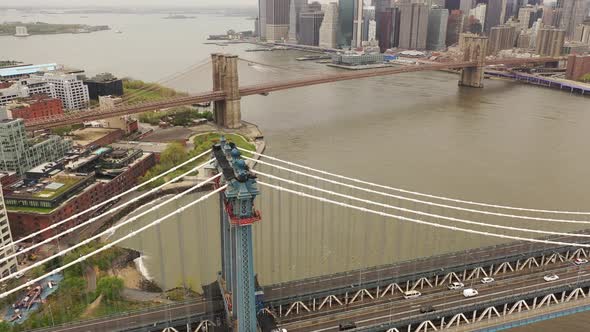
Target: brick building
[[34, 107], [27, 216], [577, 66]]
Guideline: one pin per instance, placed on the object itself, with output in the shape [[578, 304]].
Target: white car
[[470, 292], [551, 277], [487, 280], [18, 275], [456, 285], [279, 330], [580, 261], [412, 294]]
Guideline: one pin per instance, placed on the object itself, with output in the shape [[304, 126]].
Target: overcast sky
[[126, 3]]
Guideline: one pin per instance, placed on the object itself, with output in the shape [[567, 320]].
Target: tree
[[174, 154], [585, 78], [110, 288], [74, 287]]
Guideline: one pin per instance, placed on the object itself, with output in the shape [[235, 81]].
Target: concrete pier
[[475, 51]]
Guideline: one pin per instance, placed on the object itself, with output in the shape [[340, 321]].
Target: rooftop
[[26, 70], [46, 189], [88, 135]]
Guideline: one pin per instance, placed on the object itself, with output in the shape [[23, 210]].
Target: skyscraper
[[495, 14], [454, 27], [262, 18], [277, 20], [571, 13], [527, 16], [437, 28], [346, 10], [329, 27], [479, 12], [550, 41], [358, 24], [413, 25], [310, 25], [388, 20], [501, 38], [294, 25]]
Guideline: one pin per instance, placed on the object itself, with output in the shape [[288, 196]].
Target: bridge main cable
[[426, 214], [421, 222], [128, 236], [91, 220], [111, 230], [421, 194], [98, 205]]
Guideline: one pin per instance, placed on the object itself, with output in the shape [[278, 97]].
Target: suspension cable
[[98, 205], [420, 201], [111, 229], [421, 222], [91, 220], [416, 193], [470, 222], [111, 244]]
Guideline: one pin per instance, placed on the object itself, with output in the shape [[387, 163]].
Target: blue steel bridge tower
[[236, 278]]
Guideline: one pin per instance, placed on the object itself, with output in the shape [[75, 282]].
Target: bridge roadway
[[397, 309], [335, 284], [138, 320], [76, 117], [411, 270]]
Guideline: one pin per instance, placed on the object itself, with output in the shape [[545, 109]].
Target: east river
[[508, 143]]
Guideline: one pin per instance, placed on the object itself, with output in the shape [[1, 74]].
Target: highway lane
[[340, 280], [160, 314], [426, 291], [399, 308]]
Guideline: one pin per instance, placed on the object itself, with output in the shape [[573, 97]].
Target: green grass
[[206, 141], [136, 91], [30, 209], [68, 183]]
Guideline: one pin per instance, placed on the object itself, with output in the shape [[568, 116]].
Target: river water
[[507, 144]]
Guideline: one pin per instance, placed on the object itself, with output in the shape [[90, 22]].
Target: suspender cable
[[112, 244], [421, 222], [426, 214], [424, 202], [418, 193], [111, 229], [91, 220], [96, 206]]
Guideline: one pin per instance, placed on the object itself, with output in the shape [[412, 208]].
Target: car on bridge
[[487, 280], [551, 277], [426, 309], [456, 285], [580, 261], [346, 326], [412, 294], [470, 292]]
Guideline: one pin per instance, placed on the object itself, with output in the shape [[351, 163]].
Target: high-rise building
[[388, 21], [277, 20], [527, 16], [346, 14], [438, 19], [413, 25], [582, 33], [454, 27], [466, 5], [71, 90], [20, 154], [479, 13], [495, 15], [550, 41], [358, 23], [10, 266], [571, 14], [25, 88], [294, 24], [524, 40], [368, 16], [262, 18], [329, 28], [501, 38], [310, 25]]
